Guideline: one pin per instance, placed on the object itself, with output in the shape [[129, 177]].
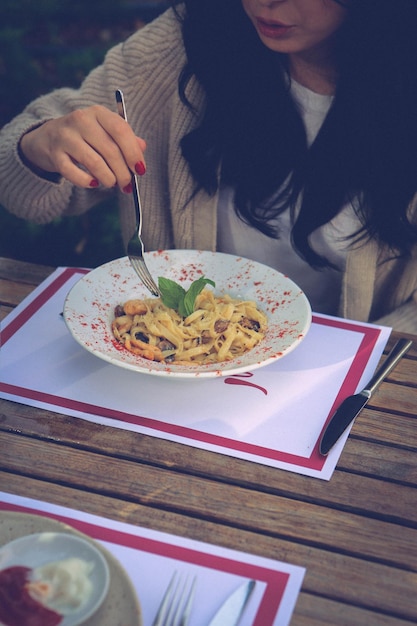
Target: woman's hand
[[87, 147]]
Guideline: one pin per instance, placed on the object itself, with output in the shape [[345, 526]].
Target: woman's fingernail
[[128, 188], [140, 168], [94, 182]]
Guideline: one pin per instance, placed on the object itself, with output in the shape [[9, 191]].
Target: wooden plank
[[368, 586], [400, 399], [313, 610], [11, 293], [386, 428], [4, 311], [374, 459], [22, 272], [271, 514], [18, 279], [405, 372], [345, 490]]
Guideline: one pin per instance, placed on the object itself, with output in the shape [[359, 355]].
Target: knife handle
[[400, 348]]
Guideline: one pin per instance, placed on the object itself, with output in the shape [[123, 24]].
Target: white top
[[322, 287]]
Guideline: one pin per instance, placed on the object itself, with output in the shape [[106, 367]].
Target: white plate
[[39, 549], [89, 308]]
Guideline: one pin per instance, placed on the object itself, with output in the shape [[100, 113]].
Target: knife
[[353, 405], [232, 608]]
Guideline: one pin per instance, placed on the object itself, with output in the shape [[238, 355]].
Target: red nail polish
[[94, 183], [140, 168], [128, 188]]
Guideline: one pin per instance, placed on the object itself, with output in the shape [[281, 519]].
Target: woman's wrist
[[27, 162]]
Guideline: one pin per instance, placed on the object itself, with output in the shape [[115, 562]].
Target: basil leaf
[[175, 297], [172, 294], [187, 305]]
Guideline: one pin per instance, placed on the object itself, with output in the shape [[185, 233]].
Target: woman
[[281, 130]]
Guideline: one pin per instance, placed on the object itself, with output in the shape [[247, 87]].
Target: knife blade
[[232, 608], [354, 404]]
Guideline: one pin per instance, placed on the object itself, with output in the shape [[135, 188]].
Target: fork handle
[[121, 109], [136, 201]]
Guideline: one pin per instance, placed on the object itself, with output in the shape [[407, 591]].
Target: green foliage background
[[46, 44]]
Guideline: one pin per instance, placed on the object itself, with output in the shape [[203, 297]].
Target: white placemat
[[150, 559], [274, 415]]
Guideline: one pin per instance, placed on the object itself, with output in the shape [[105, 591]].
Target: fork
[[135, 247], [176, 604]]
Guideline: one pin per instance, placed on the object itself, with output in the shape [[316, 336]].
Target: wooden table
[[356, 534]]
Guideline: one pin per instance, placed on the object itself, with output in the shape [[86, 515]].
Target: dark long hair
[[366, 149]]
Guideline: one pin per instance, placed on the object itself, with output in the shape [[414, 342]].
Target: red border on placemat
[[276, 581], [38, 302], [315, 461]]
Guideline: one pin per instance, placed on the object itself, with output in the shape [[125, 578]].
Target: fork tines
[[142, 271], [177, 602]]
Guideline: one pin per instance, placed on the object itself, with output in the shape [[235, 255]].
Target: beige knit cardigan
[[146, 68]]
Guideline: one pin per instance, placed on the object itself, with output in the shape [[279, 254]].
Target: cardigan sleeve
[[140, 66]]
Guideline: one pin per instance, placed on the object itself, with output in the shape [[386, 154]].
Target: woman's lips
[[273, 29]]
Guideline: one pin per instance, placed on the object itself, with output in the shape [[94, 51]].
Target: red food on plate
[[17, 607]]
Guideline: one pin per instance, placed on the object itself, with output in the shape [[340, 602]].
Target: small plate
[[39, 549], [89, 308], [121, 606]]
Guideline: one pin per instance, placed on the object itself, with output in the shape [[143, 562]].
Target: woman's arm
[[68, 148]]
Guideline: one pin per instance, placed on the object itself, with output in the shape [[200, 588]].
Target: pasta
[[219, 329]]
